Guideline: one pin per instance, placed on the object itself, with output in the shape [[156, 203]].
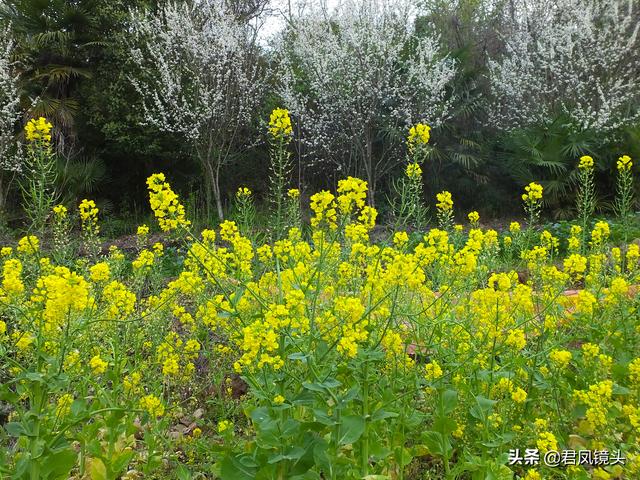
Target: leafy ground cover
[[311, 351], [319, 357]]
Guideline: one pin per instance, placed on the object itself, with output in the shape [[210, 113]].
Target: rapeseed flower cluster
[[12, 278], [600, 234], [60, 211], [243, 193], [89, 217], [533, 193], [324, 208], [38, 130], [413, 170], [624, 163], [445, 202], [419, 135], [352, 193], [152, 405], [164, 202], [28, 245], [586, 163], [280, 123], [437, 329]]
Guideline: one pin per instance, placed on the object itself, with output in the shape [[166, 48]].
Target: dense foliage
[[431, 355]]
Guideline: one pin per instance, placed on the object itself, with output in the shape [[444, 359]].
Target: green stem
[[365, 417]]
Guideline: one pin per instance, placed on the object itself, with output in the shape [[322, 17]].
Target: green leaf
[[183, 473], [328, 384], [299, 356], [260, 415], [294, 453], [97, 469], [15, 429], [403, 456], [433, 442], [378, 452], [119, 461], [449, 401], [290, 428], [482, 408], [238, 468], [620, 390], [321, 458], [351, 429], [322, 417], [310, 475], [314, 387], [382, 414], [504, 439], [445, 425], [78, 406], [34, 377], [498, 472], [59, 464]]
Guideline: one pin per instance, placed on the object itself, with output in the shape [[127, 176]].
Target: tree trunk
[[211, 166], [369, 167], [208, 187], [216, 192], [3, 196]]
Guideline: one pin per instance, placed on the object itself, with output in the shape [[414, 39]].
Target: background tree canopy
[[515, 91]]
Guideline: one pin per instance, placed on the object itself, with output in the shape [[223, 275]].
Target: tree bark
[[216, 192]]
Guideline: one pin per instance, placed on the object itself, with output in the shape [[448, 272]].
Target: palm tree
[[56, 41]]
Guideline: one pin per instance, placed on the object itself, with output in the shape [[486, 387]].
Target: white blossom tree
[[10, 113], [356, 78], [200, 78], [578, 58]]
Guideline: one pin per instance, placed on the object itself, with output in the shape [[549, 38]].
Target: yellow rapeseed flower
[[224, 425], [100, 272], [63, 406], [88, 210], [586, 163], [533, 193], [413, 171], [98, 366], [560, 358], [29, 245], [624, 163], [419, 134], [433, 371], [324, 208], [152, 405], [445, 202], [519, 395], [400, 238], [280, 123], [38, 130], [164, 202], [546, 441], [243, 193], [575, 265], [60, 211]]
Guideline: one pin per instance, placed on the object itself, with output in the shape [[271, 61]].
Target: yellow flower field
[[458, 352]]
